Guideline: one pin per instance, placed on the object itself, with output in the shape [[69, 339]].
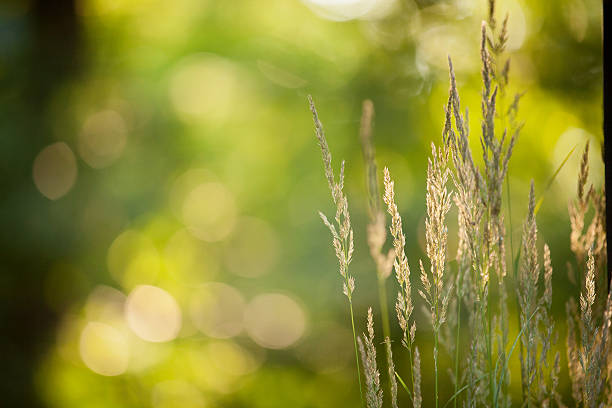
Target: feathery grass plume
[[588, 333], [472, 275], [403, 305], [374, 395], [481, 277], [496, 156], [529, 274], [479, 202], [539, 371], [342, 232], [438, 289], [589, 362], [496, 153], [472, 278], [595, 234], [376, 231], [589, 356], [547, 366], [578, 210]]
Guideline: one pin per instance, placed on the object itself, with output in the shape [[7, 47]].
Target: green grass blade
[[403, 384], [552, 179]]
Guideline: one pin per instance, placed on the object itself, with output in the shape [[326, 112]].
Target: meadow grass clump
[[474, 290]]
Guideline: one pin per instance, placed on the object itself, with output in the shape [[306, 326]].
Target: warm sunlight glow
[[153, 314], [188, 259], [342, 10], [209, 212], [104, 349], [232, 359], [217, 310], [274, 321], [133, 259], [204, 88], [105, 304]]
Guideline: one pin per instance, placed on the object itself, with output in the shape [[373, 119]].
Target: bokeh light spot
[[105, 304], [153, 314], [343, 10], [517, 25], [209, 212], [274, 321], [188, 259], [436, 43], [55, 170], [217, 310], [232, 359], [205, 88], [104, 349], [133, 259], [102, 139]]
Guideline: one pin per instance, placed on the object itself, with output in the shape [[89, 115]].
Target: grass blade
[[403, 384], [552, 179]]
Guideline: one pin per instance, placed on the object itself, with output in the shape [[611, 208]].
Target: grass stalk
[[384, 308], [457, 340], [356, 352], [436, 366]]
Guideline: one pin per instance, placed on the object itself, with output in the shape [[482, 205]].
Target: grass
[[474, 291]]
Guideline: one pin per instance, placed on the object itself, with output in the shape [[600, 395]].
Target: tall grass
[[474, 291]]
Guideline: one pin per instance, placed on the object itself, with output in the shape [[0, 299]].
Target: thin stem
[[490, 346], [510, 214], [458, 337], [408, 344], [356, 354], [436, 337], [436, 364], [488, 313], [411, 365], [384, 309]]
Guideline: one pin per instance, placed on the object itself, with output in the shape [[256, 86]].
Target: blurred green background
[[161, 181]]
